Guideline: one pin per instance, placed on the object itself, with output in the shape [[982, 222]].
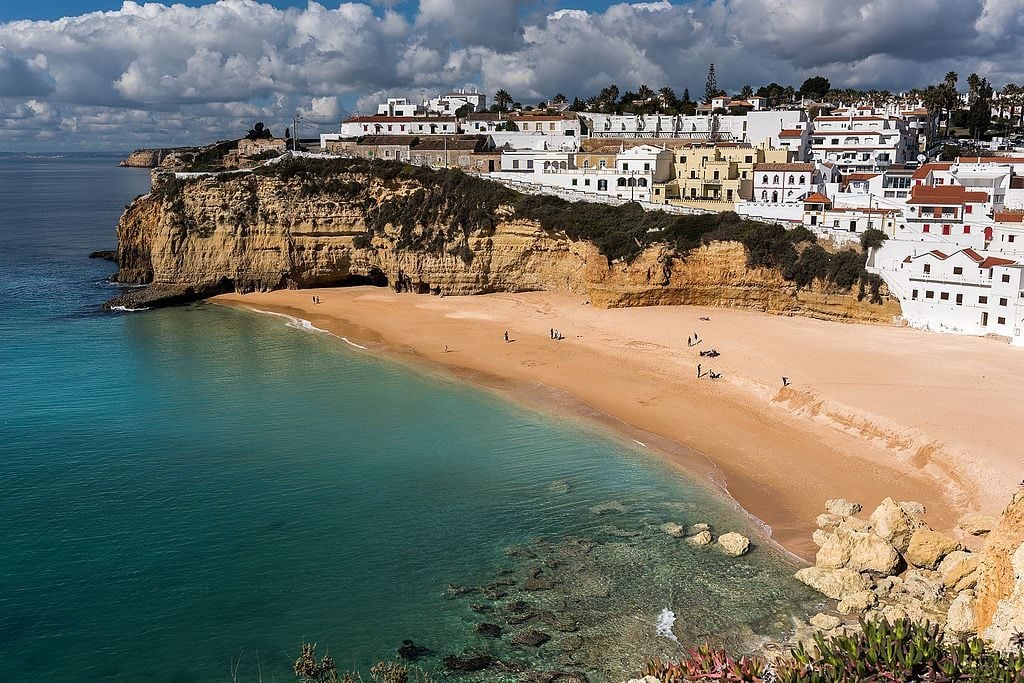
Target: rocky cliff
[[188, 239]]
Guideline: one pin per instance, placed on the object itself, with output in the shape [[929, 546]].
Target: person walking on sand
[[698, 370], [552, 333], [446, 348], [506, 336], [785, 381]]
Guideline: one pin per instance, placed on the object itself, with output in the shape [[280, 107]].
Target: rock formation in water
[[258, 232]]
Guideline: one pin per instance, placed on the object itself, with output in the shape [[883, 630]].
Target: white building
[[357, 126], [787, 183], [450, 102], [963, 291], [399, 106], [754, 128], [858, 142]]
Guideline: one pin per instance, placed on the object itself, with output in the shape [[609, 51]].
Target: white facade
[[398, 106], [964, 291], [565, 126], [858, 142], [754, 128], [358, 126], [449, 103], [784, 183]]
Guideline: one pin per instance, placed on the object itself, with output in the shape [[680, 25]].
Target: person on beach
[[506, 336], [552, 333], [785, 381], [446, 348], [698, 370]]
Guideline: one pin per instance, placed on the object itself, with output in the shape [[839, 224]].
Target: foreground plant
[[880, 651]]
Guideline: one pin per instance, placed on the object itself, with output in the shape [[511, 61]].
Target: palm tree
[[502, 100], [669, 101]]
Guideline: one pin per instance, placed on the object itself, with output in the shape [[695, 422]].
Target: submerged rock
[[468, 662], [411, 651], [609, 506], [531, 638], [673, 529], [488, 630], [701, 538], [480, 607], [835, 583], [456, 590]]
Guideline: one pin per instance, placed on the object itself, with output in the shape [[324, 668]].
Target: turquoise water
[[184, 488]]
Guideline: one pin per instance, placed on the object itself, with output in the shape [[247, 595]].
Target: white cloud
[[155, 73]]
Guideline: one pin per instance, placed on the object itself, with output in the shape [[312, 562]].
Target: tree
[[502, 100], [259, 132], [464, 111], [686, 95], [773, 92], [560, 99], [746, 92], [980, 115], [872, 238], [609, 98], [577, 105], [669, 101], [815, 88], [711, 85]]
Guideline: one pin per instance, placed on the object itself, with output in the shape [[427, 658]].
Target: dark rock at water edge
[[159, 296], [105, 254], [480, 607], [488, 630], [411, 651], [531, 638], [456, 590], [468, 662]]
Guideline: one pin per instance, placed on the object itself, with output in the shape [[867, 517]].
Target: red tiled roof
[[817, 198], [1009, 216], [973, 255], [995, 261], [792, 133], [944, 195], [922, 172], [860, 176], [803, 168]]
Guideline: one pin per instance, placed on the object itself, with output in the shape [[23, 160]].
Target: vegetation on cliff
[[877, 651], [445, 207]]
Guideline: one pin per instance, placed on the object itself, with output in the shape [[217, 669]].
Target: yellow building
[[715, 176]]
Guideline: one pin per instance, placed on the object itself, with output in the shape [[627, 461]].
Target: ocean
[[189, 494]]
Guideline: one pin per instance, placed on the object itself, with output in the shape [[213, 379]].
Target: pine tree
[[711, 87], [686, 95]]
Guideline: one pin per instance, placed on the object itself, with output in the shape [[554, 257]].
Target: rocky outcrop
[[151, 158], [261, 232], [999, 608]]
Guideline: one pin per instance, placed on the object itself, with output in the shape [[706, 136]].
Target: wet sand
[[871, 411]]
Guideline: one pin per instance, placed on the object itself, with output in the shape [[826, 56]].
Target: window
[[927, 267], [682, 160], [642, 182], [574, 181], [967, 230], [913, 295], [1009, 238], [775, 180], [529, 163], [982, 299], [853, 226], [1001, 321], [551, 126], [801, 180], [929, 294], [625, 166], [647, 167], [957, 270], [944, 296], [1006, 277], [968, 209], [515, 163], [835, 141], [748, 159], [1002, 301], [603, 163], [586, 163], [945, 229], [621, 182], [959, 299], [927, 228], [716, 175], [764, 180], [728, 195], [586, 183], [790, 178], [835, 223]]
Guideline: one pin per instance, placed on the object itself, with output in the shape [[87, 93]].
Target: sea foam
[[303, 324], [663, 626]]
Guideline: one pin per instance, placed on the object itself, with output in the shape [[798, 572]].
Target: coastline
[[779, 453]]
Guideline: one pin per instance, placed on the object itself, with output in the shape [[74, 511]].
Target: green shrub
[[872, 238]]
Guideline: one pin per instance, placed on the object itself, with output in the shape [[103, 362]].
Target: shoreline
[[777, 454]]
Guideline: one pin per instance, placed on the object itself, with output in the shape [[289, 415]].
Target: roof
[[1009, 216], [996, 261], [395, 140], [541, 117], [922, 172], [817, 198], [990, 160], [474, 144], [944, 194], [803, 168], [852, 177], [739, 103], [380, 118], [791, 133]]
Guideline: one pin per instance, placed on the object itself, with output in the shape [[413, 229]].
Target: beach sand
[[871, 411]]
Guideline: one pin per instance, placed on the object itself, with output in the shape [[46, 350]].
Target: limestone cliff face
[[261, 232], [1000, 605]]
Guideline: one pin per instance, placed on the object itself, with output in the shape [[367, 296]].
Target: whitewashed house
[[857, 142]]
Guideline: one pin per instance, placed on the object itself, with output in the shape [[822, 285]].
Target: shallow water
[[188, 486]]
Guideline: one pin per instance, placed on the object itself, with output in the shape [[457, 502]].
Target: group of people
[[693, 340], [555, 334], [316, 299]]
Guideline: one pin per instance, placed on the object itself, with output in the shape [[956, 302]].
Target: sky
[[97, 74]]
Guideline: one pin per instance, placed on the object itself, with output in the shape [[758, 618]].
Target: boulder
[[834, 551], [893, 523], [825, 622], [673, 529], [828, 521], [820, 536], [959, 570], [701, 538], [467, 662], [411, 651], [960, 619], [912, 507], [978, 525], [927, 548], [701, 526], [888, 585], [734, 544], [842, 507], [858, 550], [835, 583], [923, 585], [857, 602], [531, 638]]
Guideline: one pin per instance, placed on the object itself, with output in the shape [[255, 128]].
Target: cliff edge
[[437, 232]]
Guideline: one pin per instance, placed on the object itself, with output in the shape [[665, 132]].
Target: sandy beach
[[871, 411]]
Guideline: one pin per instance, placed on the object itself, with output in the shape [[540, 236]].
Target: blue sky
[[160, 75], [11, 10]]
